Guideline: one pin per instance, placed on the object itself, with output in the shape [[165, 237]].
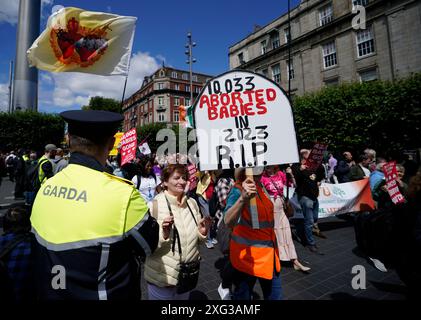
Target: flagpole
[[124, 91], [140, 143]]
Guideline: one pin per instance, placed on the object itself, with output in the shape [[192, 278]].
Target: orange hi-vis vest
[[253, 245]]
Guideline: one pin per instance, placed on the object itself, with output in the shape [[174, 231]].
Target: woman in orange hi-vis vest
[[253, 247]]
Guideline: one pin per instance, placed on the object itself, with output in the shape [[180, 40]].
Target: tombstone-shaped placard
[[243, 120]]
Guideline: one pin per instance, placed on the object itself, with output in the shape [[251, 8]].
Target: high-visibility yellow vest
[[81, 207], [41, 173]]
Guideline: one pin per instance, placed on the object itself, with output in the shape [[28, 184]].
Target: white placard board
[[243, 119]]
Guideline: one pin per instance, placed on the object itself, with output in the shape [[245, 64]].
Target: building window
[[276, 73], [332, 82], [150, 117], [326, 15], [176, 117], [185, 76], [160, 85], [287, 35], [161, 116], [187, 101], [275, 40], [176, 101], [162, 73], [174, 75], [290, 69], [160, 101], [187, 88], [241, 58], [368, 75], [329, 55], [197, 89], [356, 3], [365, 42], [265, 72], [263, 46], [177, 87], [194, 78]]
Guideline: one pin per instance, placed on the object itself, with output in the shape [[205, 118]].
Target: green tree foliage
[[149, 132], [31, 130], [106, 104], [385, 116]]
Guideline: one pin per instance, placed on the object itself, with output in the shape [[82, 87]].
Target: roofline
[[187, 71], [165, 67], [279, 17]]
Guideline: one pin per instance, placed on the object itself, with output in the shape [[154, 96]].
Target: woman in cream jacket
[[162, 267]]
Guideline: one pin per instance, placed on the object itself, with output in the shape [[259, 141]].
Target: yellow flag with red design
[[76, 40]]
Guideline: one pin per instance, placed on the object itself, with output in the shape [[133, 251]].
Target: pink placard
[[191, 168], [391, 175], [316, 156], [128, 146]]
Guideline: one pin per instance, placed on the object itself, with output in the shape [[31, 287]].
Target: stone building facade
[[327, 48]]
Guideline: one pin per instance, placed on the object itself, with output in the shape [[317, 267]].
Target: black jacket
[[342, 171], [306, 186]]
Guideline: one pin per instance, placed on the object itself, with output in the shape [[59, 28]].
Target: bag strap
[[200, 211], [281, 193], [265, 191], [176, 237], [176, 234], [194, 218], [12, 244], [138, 181]]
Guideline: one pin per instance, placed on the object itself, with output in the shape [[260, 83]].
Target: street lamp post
[[10, 87], [25, 79], [189, 52]]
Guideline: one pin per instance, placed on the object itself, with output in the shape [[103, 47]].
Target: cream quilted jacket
[[161, 268]]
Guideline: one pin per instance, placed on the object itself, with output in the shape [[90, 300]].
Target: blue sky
[[160, 36]]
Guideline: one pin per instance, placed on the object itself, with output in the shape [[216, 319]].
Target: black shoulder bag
[[188, 275]]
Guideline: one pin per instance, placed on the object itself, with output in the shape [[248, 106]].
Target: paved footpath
[[330, 277]]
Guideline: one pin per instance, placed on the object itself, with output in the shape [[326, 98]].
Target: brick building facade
[[160, 96]]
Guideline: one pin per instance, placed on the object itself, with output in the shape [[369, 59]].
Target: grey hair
[[371, 153]]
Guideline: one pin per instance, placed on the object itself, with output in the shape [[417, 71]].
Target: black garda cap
[[92, 124]]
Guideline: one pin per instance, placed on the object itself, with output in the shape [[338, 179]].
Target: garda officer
[[89, 225]]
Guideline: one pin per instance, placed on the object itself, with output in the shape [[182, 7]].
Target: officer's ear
[[111, 142]]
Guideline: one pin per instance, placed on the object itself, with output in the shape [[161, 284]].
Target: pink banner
[[391, 175], [316, 156], [191, 168], [128, 146]]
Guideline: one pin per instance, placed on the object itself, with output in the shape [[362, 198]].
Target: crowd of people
[[19, 166], [184, 208]]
